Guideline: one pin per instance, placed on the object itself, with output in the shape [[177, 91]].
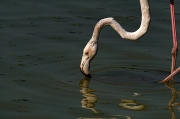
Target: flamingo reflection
[[89, 98], [131, 105]]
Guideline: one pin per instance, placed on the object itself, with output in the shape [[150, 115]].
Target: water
[[41, 49]]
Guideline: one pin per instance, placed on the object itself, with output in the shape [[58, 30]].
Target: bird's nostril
[[86, 53]]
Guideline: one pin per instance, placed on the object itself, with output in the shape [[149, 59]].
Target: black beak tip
[[88, 75]]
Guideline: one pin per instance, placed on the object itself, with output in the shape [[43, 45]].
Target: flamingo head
[[89, 53]]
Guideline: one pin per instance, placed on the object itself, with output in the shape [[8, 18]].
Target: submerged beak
[[84, 66]]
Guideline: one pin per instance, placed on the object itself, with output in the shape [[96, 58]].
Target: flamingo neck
[[145, 20]]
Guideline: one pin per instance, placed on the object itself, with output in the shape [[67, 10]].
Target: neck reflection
[[89, 100]]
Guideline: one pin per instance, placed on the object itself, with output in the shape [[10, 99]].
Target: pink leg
[[174, 55], [171, 75], [175, 44]]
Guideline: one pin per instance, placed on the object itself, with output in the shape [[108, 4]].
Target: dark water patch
[[76, 24], [20, 100], [84, 17], [31, 34], [72, 32], [20, 80], [57, 19], [100, 8], [71, 12], [21, 65], [1, 20], [39, 58], [122, 19], [13, 45], [55, 38], [9, 67]]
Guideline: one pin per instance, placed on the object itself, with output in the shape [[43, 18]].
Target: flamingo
[[91, 48]]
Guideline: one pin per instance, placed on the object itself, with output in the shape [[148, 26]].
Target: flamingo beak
[[85, 66]]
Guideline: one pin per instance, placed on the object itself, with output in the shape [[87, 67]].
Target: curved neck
[[145, 20]]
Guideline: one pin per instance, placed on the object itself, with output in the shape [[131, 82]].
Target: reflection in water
[[131, 104], [90, 99], [172, 103]]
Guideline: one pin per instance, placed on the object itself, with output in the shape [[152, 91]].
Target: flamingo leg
[[171, 75], [175, 44]]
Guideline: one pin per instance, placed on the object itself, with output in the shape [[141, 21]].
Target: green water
[[40, 51]]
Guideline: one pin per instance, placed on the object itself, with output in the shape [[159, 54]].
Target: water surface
[[41, 49]]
